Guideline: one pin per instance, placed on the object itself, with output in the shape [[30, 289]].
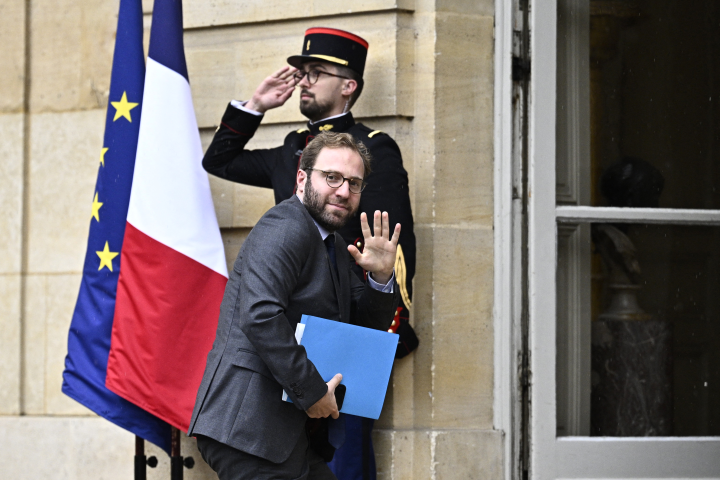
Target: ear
[[301, 178], [349, 87]]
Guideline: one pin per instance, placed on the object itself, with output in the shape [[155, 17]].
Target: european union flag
[[91, 327]]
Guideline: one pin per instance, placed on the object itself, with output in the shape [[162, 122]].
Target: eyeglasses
[[335, 180], [312, 76]]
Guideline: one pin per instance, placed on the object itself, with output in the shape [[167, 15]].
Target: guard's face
[[331, 207], [318, 100]]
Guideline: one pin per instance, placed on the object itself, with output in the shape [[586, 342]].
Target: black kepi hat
[[333, 46]]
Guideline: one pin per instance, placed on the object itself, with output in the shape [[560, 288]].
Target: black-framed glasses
[[312, 76], [335, 180]]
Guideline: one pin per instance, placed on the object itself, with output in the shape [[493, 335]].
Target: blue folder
[[364, 357]]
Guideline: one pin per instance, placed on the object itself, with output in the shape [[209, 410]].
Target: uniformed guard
[[329, 76]]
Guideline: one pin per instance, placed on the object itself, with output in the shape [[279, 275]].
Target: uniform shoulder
[[370, 136], [293, 134], [362, 130], [384, 150]]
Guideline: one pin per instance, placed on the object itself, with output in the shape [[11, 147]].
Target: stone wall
[[428, 84]]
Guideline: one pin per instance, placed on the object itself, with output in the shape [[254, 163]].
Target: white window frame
[[507, 291], [575, 457]]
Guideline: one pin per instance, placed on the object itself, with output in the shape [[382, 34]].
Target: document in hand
[[362, 355]]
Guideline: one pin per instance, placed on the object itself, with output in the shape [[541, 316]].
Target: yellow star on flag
[[102, 156], [96, 209], [123, 107], [106, 257]]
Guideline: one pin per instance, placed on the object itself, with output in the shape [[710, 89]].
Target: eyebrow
[[338, 173]]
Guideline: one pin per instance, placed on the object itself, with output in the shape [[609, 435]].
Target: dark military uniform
[[387, 190], [276, 168]]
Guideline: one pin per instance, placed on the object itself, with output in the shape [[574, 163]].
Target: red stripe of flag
[[158, 295]]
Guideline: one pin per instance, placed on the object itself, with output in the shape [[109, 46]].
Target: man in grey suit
[[292, 263]]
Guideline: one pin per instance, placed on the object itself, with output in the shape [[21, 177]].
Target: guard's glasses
[[312, 76]]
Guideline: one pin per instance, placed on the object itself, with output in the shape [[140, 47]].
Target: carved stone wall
[[429, 84]]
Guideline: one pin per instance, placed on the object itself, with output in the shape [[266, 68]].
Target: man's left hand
[[378, 256]]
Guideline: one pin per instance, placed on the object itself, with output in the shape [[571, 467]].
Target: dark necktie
[[330, 245], [336, 428]]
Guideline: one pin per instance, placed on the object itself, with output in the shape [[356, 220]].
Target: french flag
[[173, 264]]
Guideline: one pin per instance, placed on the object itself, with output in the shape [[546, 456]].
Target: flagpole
[[176, 459], [140, 460]]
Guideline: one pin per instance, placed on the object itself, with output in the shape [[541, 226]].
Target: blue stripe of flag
[[166, 36]]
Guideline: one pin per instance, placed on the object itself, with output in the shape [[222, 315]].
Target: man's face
[[331, 207], [324, 98]]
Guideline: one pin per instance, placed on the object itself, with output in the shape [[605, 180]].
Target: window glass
[[654, 104], [652, 330]]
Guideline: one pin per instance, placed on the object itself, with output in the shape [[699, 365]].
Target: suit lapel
[[341, 285]]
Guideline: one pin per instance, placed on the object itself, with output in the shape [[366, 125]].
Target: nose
[[304, 83], [343, 190]]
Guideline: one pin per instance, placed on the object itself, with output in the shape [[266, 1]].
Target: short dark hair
[[353, 75], [335, 140]]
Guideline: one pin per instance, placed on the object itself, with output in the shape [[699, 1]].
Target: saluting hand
[[378, 256], [274, 91]]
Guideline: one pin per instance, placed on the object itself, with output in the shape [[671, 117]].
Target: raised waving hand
[[378, 256]]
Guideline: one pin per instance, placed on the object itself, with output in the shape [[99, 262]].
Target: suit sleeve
[[269, 275], [227, 158], [372, 308]]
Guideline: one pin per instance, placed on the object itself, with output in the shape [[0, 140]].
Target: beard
[[330, 221], [312, 109]]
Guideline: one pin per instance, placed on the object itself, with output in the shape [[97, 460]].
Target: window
[[623, 237]]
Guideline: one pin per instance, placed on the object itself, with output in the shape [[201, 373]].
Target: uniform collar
[[339, 123]]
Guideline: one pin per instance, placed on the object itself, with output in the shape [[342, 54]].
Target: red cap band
[[339, 33]]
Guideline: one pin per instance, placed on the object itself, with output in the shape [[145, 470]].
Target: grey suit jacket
[[282, 272]]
